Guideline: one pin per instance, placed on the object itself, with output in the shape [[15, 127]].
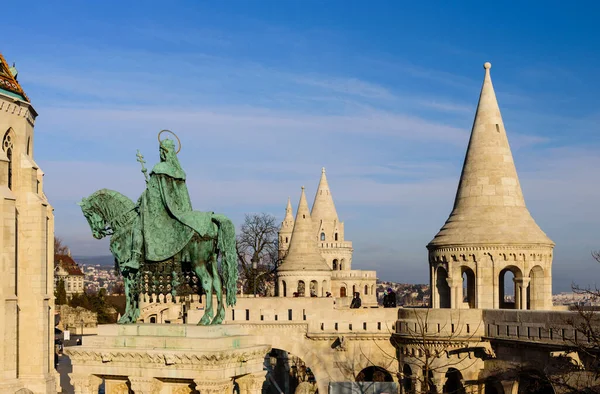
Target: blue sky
[[265, 93]]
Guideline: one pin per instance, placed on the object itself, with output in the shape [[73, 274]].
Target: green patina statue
[[162, 247]]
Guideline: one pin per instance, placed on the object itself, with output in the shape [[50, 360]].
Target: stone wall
[[73, 319]]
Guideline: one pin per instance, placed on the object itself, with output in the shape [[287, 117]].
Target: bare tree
[[59, 247], [257, 251]]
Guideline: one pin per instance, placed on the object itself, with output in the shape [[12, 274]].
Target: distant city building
[[69, 271]]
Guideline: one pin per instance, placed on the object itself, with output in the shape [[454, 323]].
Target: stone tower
[[490, 236], [303, 270], [329, 230], [285, 232], [26, 239]]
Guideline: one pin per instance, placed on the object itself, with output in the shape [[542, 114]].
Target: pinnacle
[[489, 206], [323, 208]]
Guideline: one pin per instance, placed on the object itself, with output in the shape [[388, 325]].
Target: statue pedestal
[[164, 358]]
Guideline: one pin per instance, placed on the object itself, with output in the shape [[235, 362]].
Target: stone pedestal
[[154, 358]]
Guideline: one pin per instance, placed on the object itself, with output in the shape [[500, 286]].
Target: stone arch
[[454, 382], [536, 289], [301, 288], [493, 386], [322, 236], [374, 373], [336, 236], [504, 287], [284, 288], [334, 264], [442, 288], [366, 289], [343, 292], [532, 381], [468, 286], [8, 144], [407, 379], [342, 264], [314, 288], [317, 363], [152, 318]]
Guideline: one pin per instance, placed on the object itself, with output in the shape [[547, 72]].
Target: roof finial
[[302, 187], [487, 65], [323, 170]]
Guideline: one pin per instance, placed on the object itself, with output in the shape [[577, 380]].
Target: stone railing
[[548, 327], [319, 313], [354, 274], [335, 244], [463, 324]]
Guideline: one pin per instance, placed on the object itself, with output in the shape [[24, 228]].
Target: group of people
[[389, 298]]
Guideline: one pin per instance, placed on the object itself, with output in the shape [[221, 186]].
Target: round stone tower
[[303, 271], [490, 238]]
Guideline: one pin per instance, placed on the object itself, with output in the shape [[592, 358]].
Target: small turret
[[285, 232]]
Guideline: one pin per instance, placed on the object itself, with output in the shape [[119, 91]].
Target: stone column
[[85, 384], [141, 385], [521, 284], [439, 379], [252, 383], [453, 293], [204, 386]]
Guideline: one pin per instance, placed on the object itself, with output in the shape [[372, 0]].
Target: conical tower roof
[[323, 208], [288, 222], [303, 254], [489, 207]]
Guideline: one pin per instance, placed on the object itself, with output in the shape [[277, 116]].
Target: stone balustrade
[[353, 274], [335, 245]]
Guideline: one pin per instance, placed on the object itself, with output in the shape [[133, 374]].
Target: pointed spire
[[288, 222], [489, 206], [323, 208], [303, 254]]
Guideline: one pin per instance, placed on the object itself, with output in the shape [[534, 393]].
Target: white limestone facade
[[490, 237], [334, 249], [26, 237]]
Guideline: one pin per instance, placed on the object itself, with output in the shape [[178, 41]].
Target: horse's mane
[[110, 203]]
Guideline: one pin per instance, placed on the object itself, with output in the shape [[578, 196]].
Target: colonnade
[[90, 384]]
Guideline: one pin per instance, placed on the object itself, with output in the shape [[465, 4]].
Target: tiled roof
[[67, 263], [8, 82]]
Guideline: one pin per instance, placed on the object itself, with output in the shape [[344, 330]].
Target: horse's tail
[[226, 246]]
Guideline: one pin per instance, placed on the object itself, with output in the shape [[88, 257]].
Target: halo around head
[[175, 135]]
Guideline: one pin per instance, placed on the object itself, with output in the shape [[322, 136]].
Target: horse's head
[[106, 211], [95, 220]]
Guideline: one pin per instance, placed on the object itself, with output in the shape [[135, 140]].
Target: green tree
[[60, 294]]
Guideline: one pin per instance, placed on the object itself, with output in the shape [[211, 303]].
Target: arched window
[[322, 236], [284, 288], [286, 240], [336, 237], [7, 146], [366, 290], [335, 264], [29, 146]]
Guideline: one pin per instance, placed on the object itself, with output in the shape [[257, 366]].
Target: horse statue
[[162, 231]]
